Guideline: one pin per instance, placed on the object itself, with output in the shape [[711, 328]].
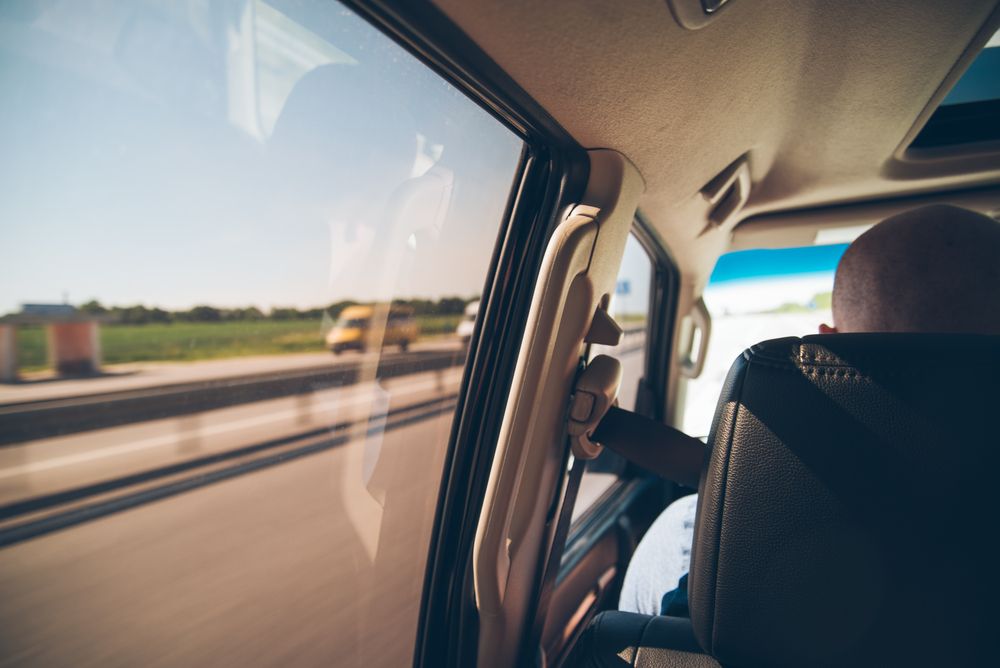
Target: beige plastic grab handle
[[701, 321]]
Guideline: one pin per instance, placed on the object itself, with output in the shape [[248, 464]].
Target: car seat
[[845, 512]]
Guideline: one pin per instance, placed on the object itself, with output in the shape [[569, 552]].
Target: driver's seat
[[845, 515]]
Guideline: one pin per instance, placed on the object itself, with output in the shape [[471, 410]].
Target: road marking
[[234, 425]]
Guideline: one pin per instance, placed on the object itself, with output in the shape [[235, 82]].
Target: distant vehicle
[[354, 330], [468, 323]]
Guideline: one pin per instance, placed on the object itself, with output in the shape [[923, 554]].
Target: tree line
[[142, 315]]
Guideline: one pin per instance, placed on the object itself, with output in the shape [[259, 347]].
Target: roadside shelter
[[72, 339]]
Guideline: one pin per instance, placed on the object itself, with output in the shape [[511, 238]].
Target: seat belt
[[595, 391], [563, 521], [656, 447]]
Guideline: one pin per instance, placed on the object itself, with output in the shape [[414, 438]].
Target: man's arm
[[665, 451]]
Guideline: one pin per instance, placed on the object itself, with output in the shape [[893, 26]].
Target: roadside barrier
[[56, 417]]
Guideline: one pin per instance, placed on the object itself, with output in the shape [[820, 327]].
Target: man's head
[[932, 269]]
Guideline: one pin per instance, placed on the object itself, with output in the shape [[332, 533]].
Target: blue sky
[[779, 262], [138, 164]]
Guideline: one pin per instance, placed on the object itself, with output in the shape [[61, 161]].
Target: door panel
[[579, 594]]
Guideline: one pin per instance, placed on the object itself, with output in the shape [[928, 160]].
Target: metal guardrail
[[56, 417], [46, 418]]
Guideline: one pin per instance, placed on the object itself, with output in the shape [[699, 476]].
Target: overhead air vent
[[727, 193], [712, 6]]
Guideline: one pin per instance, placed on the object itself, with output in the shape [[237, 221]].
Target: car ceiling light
[[695, 14]]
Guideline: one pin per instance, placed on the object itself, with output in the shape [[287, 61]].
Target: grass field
[[178, 341]]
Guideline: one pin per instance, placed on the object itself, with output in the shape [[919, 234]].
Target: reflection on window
[[753, 296], [241, 239]]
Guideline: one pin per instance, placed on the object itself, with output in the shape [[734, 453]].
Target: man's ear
[[827, 329]]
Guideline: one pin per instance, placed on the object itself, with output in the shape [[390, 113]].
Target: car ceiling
[[820, 95]]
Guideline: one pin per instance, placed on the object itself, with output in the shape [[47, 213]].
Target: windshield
[[753, 296]]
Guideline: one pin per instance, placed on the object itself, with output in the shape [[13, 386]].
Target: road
[[266, 567], [284, 531]]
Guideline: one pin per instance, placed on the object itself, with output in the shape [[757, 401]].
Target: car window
[[753, 296], [201, 203], [630, 308]]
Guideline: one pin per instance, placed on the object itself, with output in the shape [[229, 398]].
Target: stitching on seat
[[846, 370], [642, 640], [750, 356], [837, 373]]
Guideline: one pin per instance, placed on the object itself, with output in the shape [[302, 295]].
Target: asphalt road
[[297, 562], [288, 531]]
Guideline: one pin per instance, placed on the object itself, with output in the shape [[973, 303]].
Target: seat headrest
[[849, 499]]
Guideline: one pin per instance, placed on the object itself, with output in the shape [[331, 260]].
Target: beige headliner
[[820, 93]]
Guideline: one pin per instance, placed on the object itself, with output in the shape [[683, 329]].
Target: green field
[[176, 342]]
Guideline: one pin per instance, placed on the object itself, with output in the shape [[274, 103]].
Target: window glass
[[239, 240], [630, 308], [970, 113], [981, 81], [753, 296]]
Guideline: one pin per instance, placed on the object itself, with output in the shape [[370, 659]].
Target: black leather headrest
[[847, 513]]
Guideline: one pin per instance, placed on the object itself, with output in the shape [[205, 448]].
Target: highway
[[290, 530]]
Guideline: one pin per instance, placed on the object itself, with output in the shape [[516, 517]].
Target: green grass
[[177, 342], [631, 318], [31, 353], [437, 324], [822, 300]]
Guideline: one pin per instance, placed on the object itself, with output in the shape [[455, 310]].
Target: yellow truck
[[360, 328]]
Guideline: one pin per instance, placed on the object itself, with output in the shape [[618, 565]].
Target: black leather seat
[[846, 514]]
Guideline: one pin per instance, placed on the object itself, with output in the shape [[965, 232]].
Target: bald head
[[932, 269]]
